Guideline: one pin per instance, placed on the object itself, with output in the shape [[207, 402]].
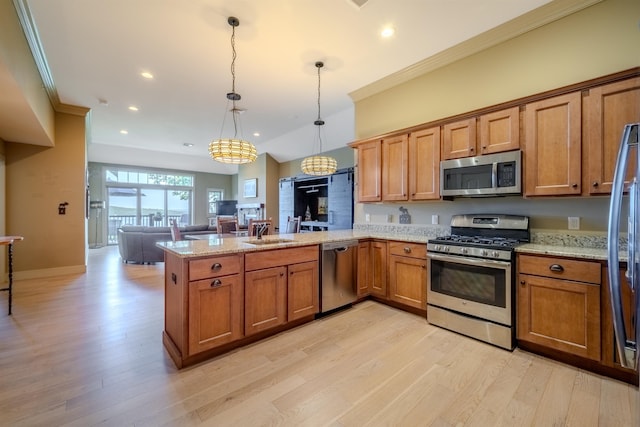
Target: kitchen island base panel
[[181, 362]]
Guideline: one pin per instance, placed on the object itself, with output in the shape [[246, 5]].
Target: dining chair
[[175, 231], [293, 224], [227, 225], [259, 224]]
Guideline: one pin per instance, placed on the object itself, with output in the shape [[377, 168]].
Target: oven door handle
[[470, 261]]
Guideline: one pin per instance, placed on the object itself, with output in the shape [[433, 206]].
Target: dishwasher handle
[[340, 246]]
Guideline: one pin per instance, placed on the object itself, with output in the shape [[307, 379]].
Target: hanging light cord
[[319, 122]]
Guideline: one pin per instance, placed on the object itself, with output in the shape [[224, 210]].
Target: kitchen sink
[[268, 241]]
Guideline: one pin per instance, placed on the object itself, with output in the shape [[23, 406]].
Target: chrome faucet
[[260, 230]]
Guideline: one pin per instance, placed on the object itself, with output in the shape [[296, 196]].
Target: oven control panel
[[477, 252]]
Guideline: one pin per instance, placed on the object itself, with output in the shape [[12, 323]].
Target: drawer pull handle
[[216, 283], [407, 250], [174, 278], [216, 267], [556, 267]]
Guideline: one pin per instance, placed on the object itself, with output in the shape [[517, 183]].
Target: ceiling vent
[[358, 3]]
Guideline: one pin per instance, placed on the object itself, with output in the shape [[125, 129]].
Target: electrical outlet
[[367, 217], [434, 219], [574, 223], [389, 218]]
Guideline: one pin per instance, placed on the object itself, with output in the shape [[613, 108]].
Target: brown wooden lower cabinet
[[215, 312], [265, 299], [408, 274], [302, 290], [378, 278], [557, 311], [364, 268]]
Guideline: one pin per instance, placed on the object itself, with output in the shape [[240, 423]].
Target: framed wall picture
[[251, 187]]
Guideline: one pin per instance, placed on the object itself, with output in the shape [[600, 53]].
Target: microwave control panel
[[506, 174]]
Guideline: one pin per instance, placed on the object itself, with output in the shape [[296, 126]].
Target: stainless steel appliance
[[497, 174], [471, 276], [626, 340], [338, 274]]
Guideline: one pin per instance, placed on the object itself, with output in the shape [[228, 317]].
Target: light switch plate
[[574, 223], [367, 217], [434, 219]]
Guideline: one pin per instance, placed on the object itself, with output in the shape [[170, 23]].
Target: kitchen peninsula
[[224, 293]]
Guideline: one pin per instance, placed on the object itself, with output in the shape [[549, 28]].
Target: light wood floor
[[86, 350]]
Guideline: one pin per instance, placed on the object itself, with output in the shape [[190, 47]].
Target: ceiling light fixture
[[133, 108], [146, 75], [319, 165], [232, 150], [387, 32]]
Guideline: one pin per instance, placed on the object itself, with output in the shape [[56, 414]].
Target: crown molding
[[536, 18], [33, 39]]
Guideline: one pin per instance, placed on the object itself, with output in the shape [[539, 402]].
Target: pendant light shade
[[232, 150], [319, 165]]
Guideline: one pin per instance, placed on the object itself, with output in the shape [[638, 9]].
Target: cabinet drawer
[[580, 271], [278, 257], [214, 267], [413, 250]]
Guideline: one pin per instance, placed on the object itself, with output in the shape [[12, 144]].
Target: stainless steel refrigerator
[[626, 341]]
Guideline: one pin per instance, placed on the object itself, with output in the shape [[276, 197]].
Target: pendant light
[[232, 150], [319, 165]]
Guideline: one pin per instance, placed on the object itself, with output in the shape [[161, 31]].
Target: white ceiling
[[96, 50]]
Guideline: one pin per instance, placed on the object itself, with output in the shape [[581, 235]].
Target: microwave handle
[[494, 175]]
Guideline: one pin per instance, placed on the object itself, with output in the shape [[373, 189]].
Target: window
[[213, 195]]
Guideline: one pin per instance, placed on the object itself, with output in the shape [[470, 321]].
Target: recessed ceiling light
[[187, 144], [146, 75], [133, 108], [124, 132], [256, 134], [387, 32]]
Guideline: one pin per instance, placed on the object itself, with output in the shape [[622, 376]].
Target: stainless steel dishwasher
[[338, 274]]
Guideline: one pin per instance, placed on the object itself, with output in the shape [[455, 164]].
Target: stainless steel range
[[471, 277]]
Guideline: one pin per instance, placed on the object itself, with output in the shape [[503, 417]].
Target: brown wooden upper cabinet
[[424, 164], [553, 146], [369, 171], [459, 139], [499, 131], [395, 165], [609, 108]]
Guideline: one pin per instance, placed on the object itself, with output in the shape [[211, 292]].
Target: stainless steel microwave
[[497, 174]]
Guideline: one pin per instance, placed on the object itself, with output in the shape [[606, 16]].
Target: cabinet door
[[424, 164], [408, 281], [303, 290], [553, 146], [215, 312], [378, 278], [610, 355], [265, 299], [610, 107], [560, 314], [340, 198], [500, 131], [369, 171], [364, 268], [395, 164], [459, 139]]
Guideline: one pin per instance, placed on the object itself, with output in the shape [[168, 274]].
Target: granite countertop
[[589, 246]]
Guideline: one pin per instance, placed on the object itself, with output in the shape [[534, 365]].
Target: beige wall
[[599, 40], [265, 170], [38, 179]]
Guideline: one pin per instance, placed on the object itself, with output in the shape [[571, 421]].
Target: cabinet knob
[[216, 283], [174, 278], [281, 274], [522, 282], [472, 149], [595, 184], [574, 185], [484, 147], [407, 250], [556, 267], [217, 266]]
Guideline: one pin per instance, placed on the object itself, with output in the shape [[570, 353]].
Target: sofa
[[137, 243]]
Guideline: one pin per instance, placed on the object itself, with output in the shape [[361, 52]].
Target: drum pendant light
[[232, 150], [319, 165]]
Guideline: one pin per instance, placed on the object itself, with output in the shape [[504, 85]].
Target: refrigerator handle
[[626, 348]]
